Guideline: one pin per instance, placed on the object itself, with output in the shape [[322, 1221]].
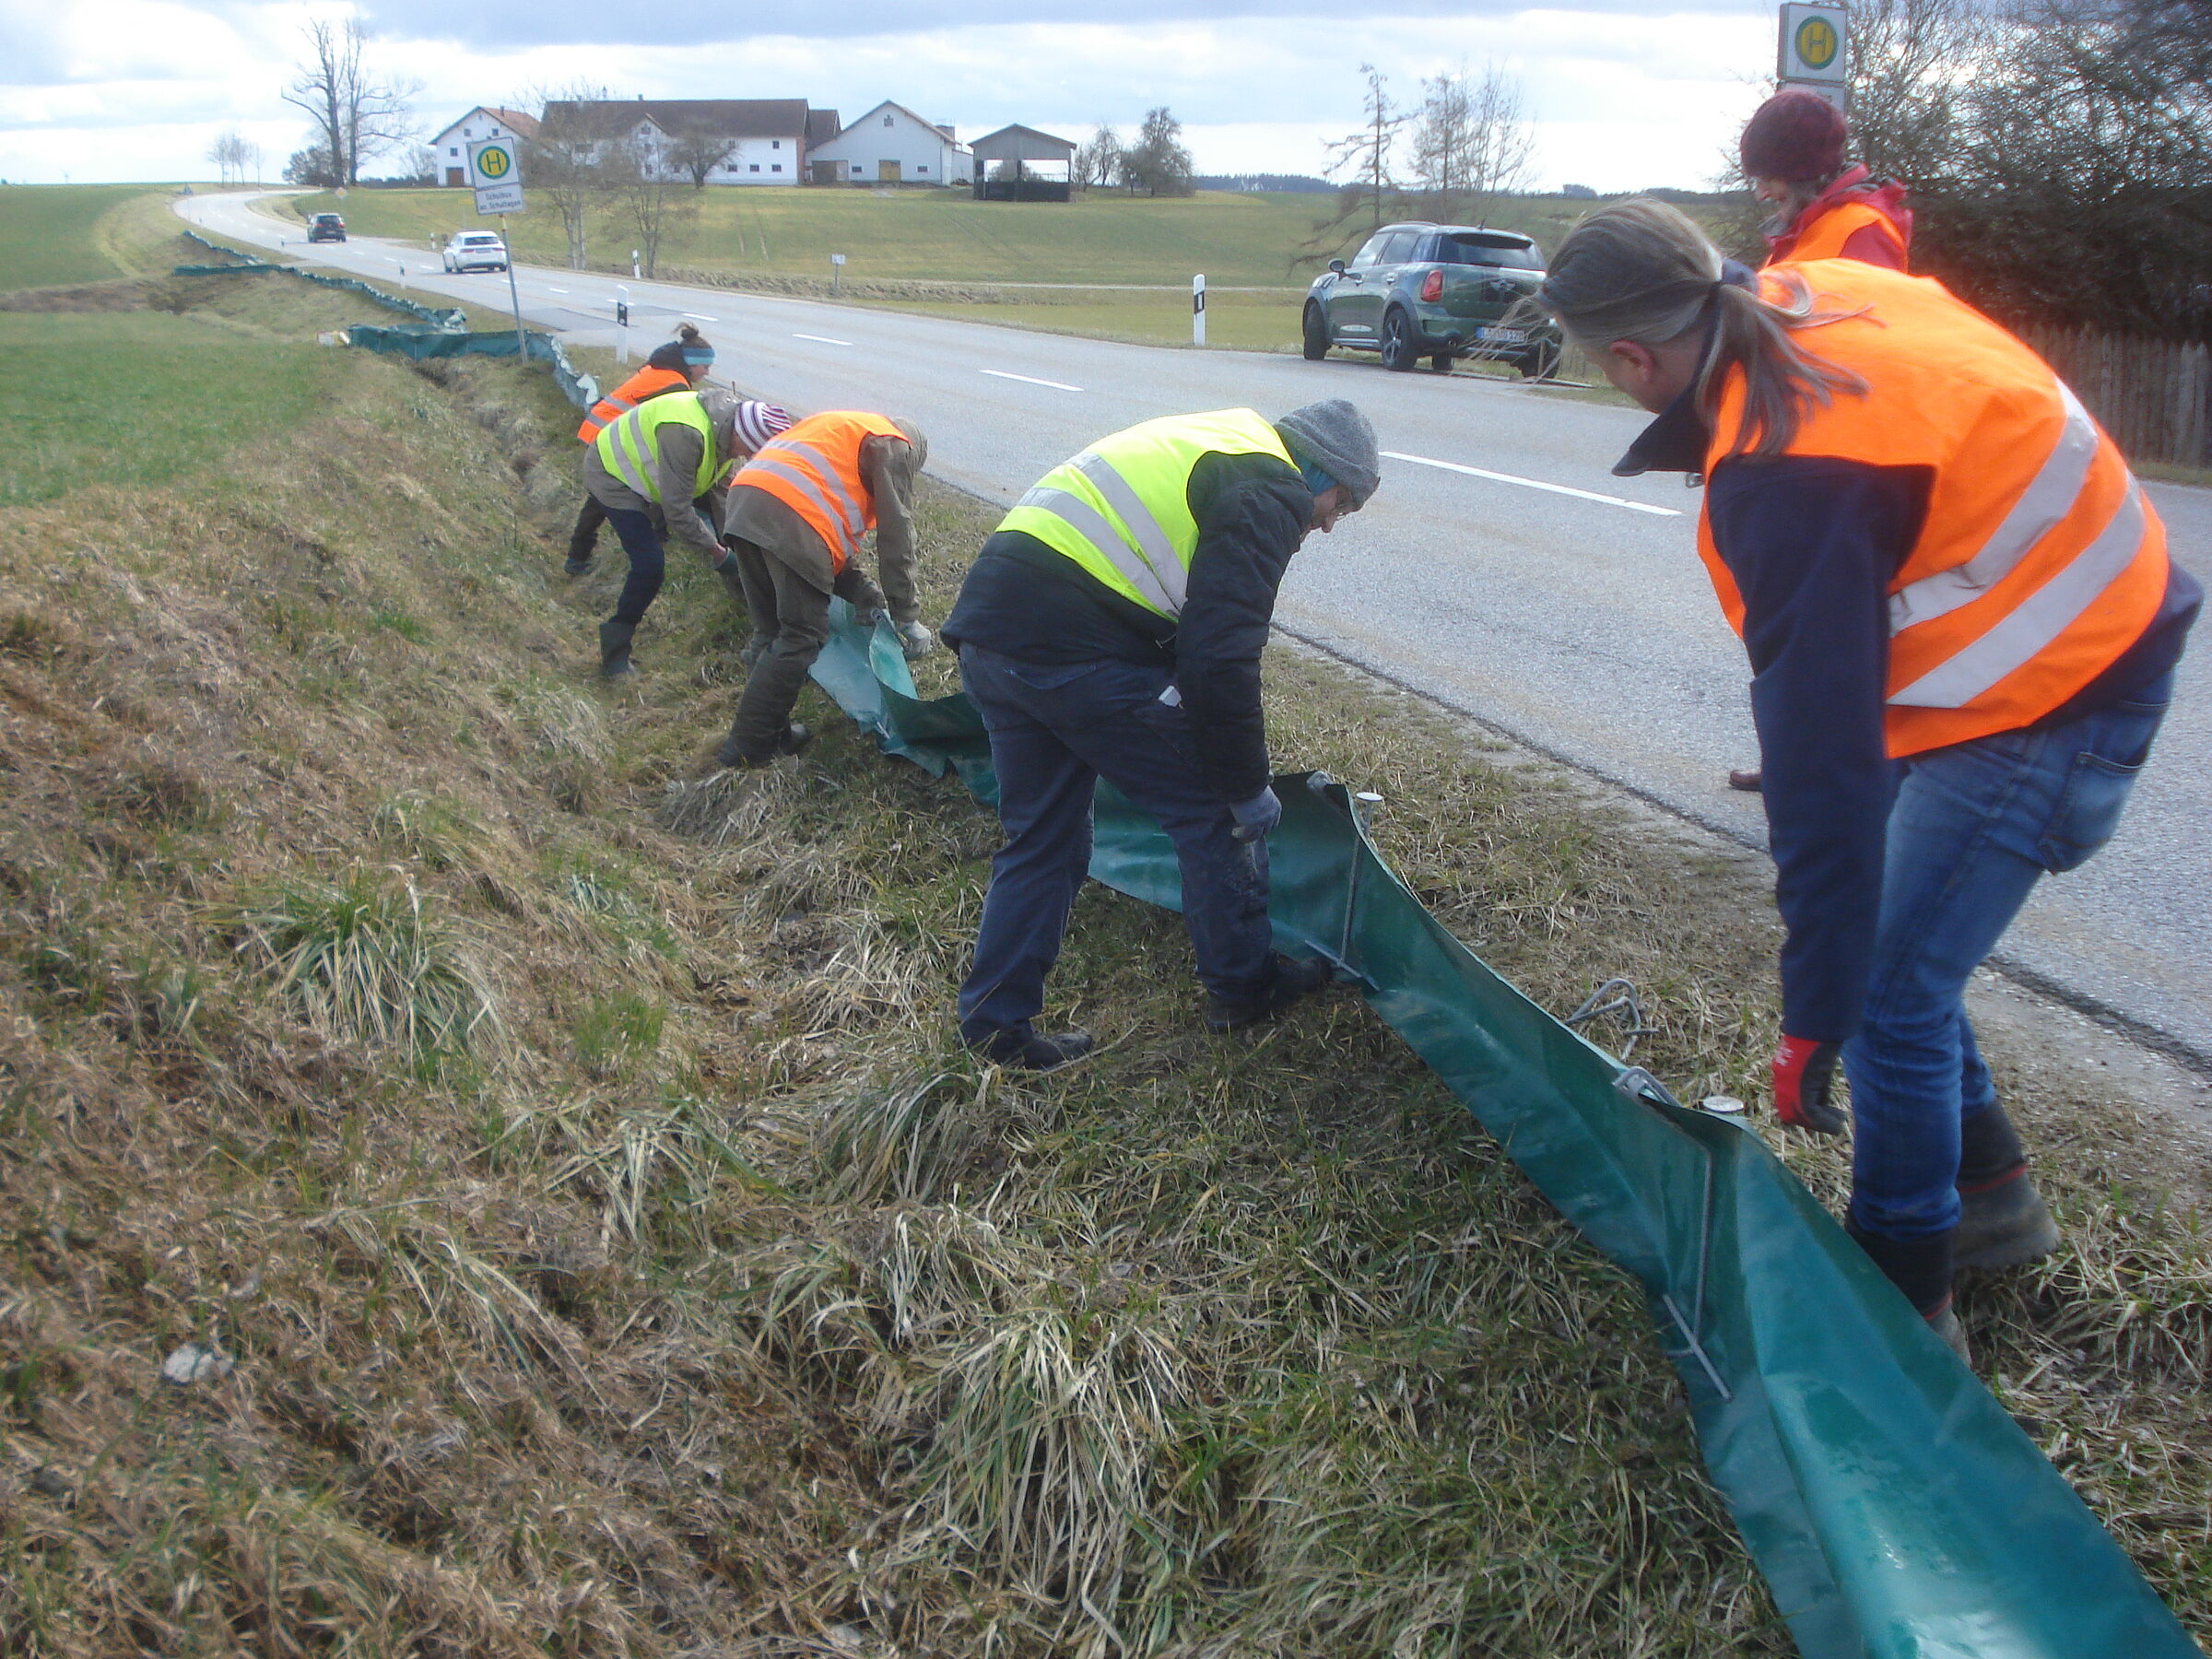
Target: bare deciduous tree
[[1157, 163], [1365, 154], [647, 195], [565, 161], [1098, 160], [356, 113], [1471, 143], [229, 153], [696, 152]]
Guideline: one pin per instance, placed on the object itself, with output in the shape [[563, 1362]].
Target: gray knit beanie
[[1337, 439]]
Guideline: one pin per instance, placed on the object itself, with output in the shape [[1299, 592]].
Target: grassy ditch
[[548, 1162]]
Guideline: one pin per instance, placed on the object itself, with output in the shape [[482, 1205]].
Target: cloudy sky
[[1624, 94]]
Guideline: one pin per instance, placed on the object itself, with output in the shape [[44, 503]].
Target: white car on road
[[475, 250]]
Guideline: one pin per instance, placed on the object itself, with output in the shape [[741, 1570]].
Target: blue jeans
[[1974, 827], [1054, 732], [648, 563]]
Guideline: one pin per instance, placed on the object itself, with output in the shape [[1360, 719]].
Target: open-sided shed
[[1021, 164]]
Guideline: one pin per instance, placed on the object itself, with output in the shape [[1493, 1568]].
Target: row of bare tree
[[2059, 152], [593, 176], [1157, 164], [1450, 156]]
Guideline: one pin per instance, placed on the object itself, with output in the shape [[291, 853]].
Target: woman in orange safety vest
[[1963, 625], [1791, 151], [677, 365]]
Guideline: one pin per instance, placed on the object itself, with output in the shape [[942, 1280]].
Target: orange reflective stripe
[[2038, 562], [814, 470]]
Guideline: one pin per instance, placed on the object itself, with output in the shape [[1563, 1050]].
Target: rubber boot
[[1922, 1269], [2003, 1220], [1293, 980], [1031, 1052], [614, 649], [794, 738]]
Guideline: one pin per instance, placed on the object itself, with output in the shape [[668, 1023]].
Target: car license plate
[[1503, 336]]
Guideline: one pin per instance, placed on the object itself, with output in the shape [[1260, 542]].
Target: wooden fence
[[2153, 396]]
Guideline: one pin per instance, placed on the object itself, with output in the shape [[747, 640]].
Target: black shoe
[[795, 739], [574, 566], [1034, 1053], [1292, 982], [2007, 1224], [614, 649]]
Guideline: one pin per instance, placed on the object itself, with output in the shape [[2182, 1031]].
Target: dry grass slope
[[615, 1256]]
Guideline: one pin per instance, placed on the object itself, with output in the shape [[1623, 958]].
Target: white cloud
[[1622, 96]]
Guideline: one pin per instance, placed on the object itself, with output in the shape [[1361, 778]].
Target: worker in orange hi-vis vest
[[677, 365], [796, 516], [1791, 151], [1963, 625]]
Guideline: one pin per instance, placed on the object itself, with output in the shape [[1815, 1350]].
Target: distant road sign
[[1813, 41]]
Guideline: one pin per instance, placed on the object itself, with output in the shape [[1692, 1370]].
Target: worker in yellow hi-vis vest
[[1112, 628], [673, 454]]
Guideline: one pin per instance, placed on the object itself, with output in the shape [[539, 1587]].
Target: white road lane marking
[[1587, 495], [824, 339], [1032, 380], [550, 290], [701, 317]]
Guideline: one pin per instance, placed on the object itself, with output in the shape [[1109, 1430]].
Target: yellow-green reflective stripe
[[628, 456], [2038, 620], [1090, 524], [1152, 546]]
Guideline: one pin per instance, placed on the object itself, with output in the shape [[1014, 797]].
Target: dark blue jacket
[[1812, 543]]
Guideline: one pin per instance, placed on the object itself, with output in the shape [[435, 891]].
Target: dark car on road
[[1436, 291], [325, 227]]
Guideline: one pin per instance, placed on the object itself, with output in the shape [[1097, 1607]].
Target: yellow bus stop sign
[[1817, 42]]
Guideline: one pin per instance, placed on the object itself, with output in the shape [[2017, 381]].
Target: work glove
[[865, 616], [915, 640], [727, 571], [1256, 817], [1803, 1072]]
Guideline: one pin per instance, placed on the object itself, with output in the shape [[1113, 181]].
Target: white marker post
[[635, 272], [837, 272], [621, 323], [1198, 308]]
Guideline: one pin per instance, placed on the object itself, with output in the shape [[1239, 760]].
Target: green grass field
[[141, 396], [1236, 239], [51, 233]]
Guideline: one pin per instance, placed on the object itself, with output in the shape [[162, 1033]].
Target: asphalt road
[[1501, 570]]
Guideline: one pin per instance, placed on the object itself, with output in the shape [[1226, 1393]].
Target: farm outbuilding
[[1021, 164]]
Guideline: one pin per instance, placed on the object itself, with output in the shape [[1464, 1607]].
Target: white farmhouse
[[451, 146], [891, 145], [727, 140]]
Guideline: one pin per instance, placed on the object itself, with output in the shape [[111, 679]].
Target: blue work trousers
[[1054, 732], [639, 531], [1973, 829]]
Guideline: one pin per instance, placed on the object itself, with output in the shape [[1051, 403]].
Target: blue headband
[[700, 355], [1316, 480]]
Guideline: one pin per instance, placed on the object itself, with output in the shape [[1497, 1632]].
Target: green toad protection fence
[[1896, 1509], [250, 263]]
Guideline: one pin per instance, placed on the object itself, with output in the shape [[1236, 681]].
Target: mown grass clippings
[[797, 1326]]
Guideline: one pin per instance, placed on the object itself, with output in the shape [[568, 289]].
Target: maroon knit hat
[[1796, 136]]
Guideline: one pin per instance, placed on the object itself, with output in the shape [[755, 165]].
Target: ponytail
[[1641, 270]]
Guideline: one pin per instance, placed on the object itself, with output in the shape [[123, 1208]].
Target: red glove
[[1802, 1072]]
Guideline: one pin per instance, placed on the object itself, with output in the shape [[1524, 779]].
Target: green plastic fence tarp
[[1897, 1512], [250, 263], [416, 343]]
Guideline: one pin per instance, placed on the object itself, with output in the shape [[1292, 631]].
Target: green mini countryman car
[[1434, 291]]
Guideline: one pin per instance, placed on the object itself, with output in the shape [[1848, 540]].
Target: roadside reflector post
[[1198, 308], [836, 272], [633, 263], [621, 323]]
